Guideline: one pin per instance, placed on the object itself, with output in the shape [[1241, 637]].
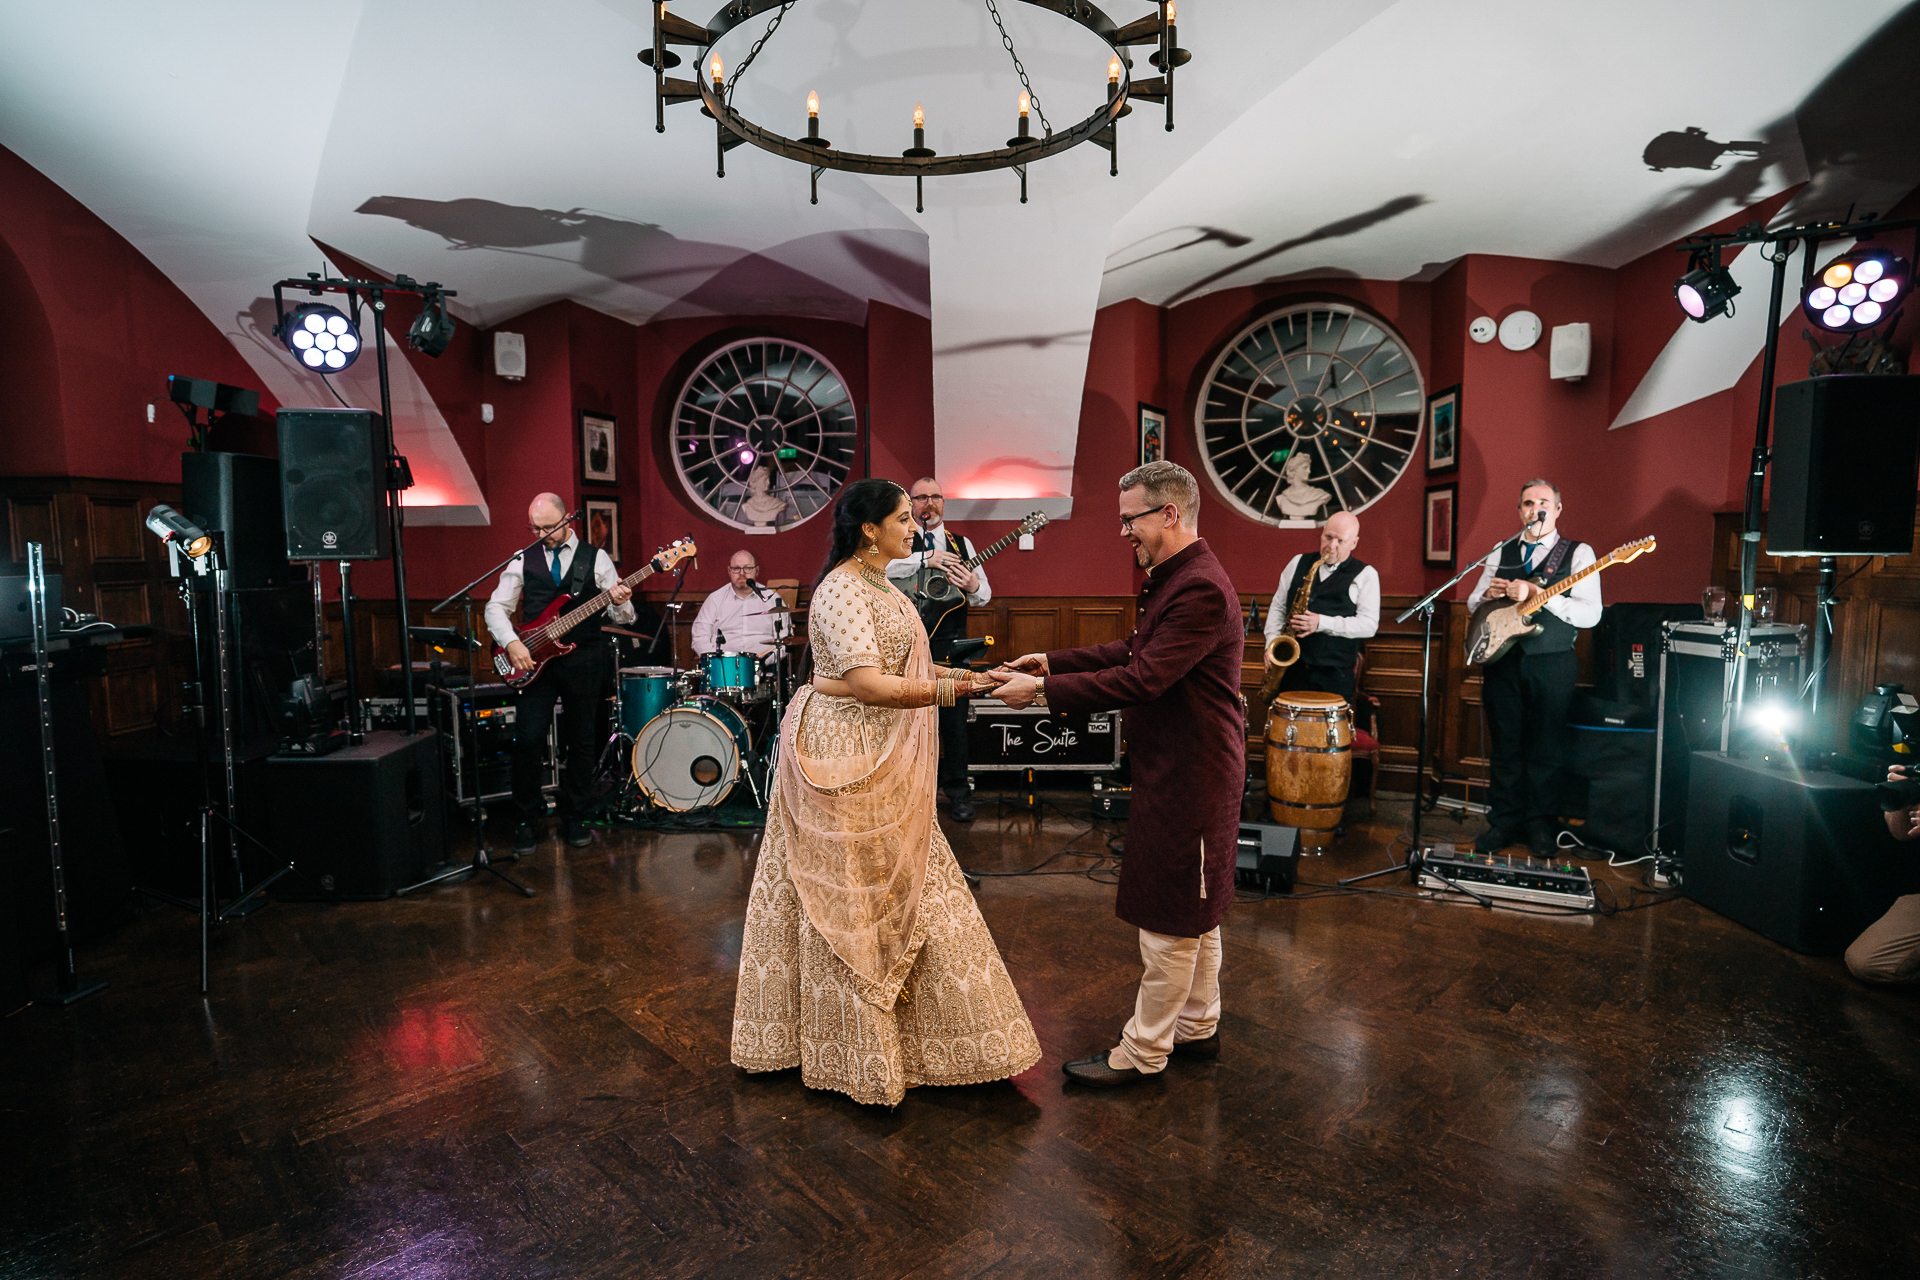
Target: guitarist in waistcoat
[[937, 546], [1526, 693], [1343, 609], [582, 679]]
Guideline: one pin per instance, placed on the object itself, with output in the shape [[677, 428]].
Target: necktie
[[1526, 557], [926, 542], [556, 567]]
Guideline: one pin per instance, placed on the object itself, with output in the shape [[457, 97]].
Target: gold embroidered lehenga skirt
[[956, 1019]]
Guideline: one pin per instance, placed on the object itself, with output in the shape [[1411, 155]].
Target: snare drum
[[689, 756], [733, 675], [644, 693]]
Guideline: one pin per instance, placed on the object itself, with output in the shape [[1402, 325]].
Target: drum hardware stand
[[214, 563], [1425, 607], [482, 856], [70, 988]]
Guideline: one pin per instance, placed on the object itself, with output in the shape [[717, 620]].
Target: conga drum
[[1309, 763]]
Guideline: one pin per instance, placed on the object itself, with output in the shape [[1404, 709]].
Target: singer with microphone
[[581, 679], [1526, 693], [739, 617]]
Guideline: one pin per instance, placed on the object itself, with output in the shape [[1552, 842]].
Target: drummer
[[741, 617]]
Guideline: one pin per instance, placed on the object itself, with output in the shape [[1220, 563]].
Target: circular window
[[1312, 410], [764, 434]]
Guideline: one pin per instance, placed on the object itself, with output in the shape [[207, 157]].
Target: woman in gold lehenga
[[865, 961]]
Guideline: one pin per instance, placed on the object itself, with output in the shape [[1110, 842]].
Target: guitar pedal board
[[1492, 875]]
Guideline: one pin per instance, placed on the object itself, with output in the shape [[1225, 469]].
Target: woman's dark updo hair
[[862, 502]]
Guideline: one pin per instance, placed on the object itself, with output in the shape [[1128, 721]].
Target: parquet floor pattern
[[469, 1084]]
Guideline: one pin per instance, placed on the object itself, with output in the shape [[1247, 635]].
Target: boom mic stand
[[482, 857], [1425, 607]]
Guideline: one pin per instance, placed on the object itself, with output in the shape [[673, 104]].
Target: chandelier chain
[[1007, 40], [759, 44]]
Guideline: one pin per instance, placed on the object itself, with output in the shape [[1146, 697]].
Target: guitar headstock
[[680, 549], [1032, 524], [1632, 550]]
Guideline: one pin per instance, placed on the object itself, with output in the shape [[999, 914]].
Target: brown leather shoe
[[1208, 1050], [1095, 1073]]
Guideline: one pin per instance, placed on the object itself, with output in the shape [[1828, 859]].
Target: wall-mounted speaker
[[1844, 466], [1570, 351], [238, 494], [333, 483], [510, 355]]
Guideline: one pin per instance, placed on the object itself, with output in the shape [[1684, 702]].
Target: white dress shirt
[[1364, 591], [907, 566], [1577, 606], [506, 596], [750, 625]]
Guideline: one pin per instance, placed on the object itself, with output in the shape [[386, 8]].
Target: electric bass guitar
[[933, 593], [1498, 625], [544, 636]]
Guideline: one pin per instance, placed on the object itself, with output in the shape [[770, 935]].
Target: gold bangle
[[943, 692]]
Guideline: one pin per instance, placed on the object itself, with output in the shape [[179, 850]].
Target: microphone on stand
[[755, 584]]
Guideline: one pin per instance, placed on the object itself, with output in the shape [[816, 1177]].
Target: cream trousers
[[1889, 949], [1179, 999]]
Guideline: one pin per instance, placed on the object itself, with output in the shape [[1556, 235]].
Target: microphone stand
[[463, 712], [1425, 607]]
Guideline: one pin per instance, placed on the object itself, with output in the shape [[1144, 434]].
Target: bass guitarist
[[581, 678], [1526, 693], [937, 547]]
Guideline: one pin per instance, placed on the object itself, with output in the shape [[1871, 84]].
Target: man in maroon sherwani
[[1178, 675]]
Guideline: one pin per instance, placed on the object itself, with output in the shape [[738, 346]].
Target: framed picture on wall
[[1443, 429], [603, 526], [599, 459], [1153, 434], [1443, 524]]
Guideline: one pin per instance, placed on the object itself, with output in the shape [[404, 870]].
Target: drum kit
[[683, 740]]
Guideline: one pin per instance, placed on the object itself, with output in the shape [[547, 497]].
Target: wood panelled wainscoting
[[95, 536]]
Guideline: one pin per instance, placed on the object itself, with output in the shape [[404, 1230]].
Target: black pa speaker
[[1803, 858], [361, 822], [238, 494], [1844, 466], [333, 479]]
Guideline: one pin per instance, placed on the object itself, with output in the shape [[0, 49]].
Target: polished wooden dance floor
[[470, 1084]]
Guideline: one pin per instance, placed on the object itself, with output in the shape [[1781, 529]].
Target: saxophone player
[[1339, 606]]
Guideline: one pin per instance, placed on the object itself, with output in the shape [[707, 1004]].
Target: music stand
[[1425, 607], [482, 857]]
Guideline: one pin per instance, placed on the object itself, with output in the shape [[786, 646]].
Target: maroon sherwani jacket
[[1178, 676]]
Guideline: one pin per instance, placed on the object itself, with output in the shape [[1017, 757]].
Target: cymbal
[[794, 641], [625, 631]]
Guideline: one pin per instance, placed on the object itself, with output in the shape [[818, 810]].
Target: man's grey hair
[[1167, 482], [1535, 484]]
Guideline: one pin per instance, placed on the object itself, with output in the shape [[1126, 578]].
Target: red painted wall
[[94, 329]]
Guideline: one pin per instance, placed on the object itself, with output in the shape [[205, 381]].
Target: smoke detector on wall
[[1482, 329], [1520, 331]]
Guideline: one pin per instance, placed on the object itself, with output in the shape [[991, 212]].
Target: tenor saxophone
[[1284, 649]]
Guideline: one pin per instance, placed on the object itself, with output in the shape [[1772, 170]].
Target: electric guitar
[[932, 591], [543, 637], [1498, 625]]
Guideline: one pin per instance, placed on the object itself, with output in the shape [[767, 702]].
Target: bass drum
[[689, 756]]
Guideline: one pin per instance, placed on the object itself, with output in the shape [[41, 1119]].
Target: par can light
[[1706, 291], [1856, 290], [321, 337]]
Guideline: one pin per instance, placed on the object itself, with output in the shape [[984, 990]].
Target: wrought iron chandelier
[[714, 92]]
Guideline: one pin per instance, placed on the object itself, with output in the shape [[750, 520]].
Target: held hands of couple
[[1020, 680]]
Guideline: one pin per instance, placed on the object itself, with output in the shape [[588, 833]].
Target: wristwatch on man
[[1040, 692]]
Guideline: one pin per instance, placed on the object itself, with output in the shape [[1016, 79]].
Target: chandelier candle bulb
[[717, 69]]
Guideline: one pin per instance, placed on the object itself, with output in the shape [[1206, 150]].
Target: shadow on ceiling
[[1347, 226], [692, 274], [1208, 235], [1691, 148], [1035, 341]]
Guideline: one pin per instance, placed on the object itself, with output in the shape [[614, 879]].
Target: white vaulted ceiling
[[508, 150]]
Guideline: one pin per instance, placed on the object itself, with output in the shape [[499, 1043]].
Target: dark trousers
[[580, 680], [1324, 679], [1525, 696]]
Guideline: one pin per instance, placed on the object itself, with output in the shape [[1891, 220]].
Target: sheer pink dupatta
[[860, 829]]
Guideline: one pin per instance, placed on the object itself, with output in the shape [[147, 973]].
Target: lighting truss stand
[[70, 988], [206, 905], [482, 856], [1424, 607]]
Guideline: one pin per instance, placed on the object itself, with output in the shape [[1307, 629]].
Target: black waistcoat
[[538, 589], [1557, 635], [1332, 596]]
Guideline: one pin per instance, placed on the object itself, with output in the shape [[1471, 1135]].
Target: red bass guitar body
[[545, 635]]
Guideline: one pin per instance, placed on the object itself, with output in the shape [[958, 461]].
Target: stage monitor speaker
[[1803, 858], [238, 494], [1267, 857], [362, 822], [1626, 651], [1844, 466], [333, 477]]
